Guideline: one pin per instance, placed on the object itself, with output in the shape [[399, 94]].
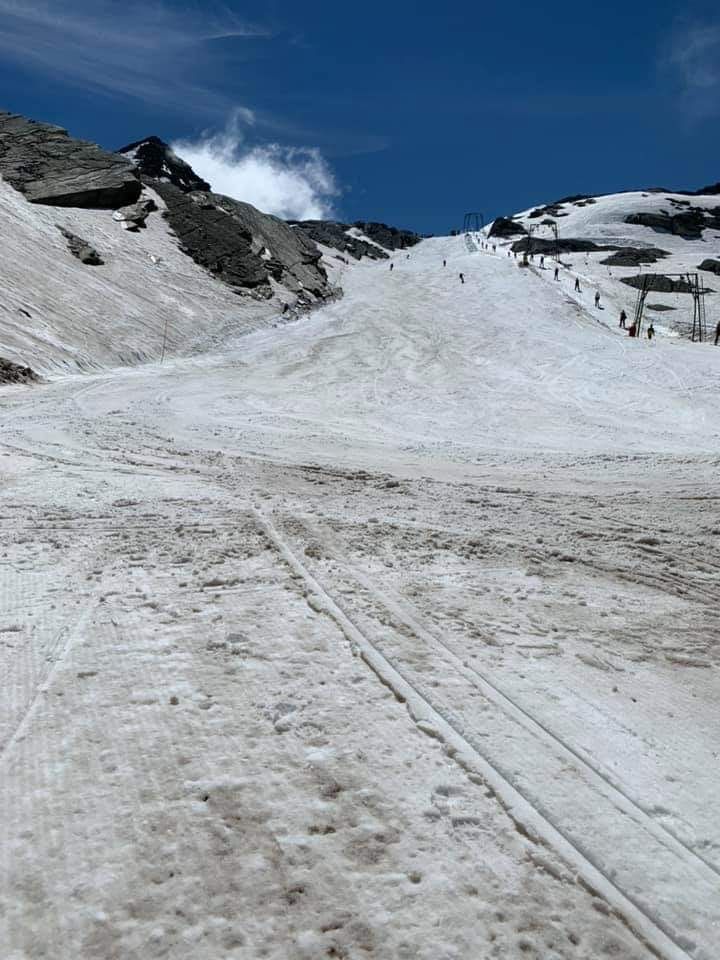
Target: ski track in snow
[[504, 509]]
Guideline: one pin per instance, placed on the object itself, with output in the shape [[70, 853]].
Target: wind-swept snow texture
[[58, 314], [389, 633]]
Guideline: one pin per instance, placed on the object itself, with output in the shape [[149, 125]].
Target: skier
[[623, 318], [597, 299], [542, 263], [717, 333], [392, 267], [444, 263], [651, 331], [557, 273], [462, 278], [577, 285]]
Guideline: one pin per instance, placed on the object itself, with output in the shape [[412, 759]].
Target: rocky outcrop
[[155, 159], [14, 373], [563, 245], [50, 167], [243, 247], [389, 237], [213, 239], [712, 266], [290, 256], [634, 256], [506, 227], [658, 282], [335, 235], [689, 223], [81, 248], [133, 217]]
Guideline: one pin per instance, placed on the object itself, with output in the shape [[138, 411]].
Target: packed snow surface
[[392, 632]]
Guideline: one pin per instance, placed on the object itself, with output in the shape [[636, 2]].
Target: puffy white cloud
[[295, 183]]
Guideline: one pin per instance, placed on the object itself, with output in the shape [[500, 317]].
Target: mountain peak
[[157, 160]]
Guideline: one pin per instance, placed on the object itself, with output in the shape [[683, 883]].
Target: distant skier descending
[[623, 318], [651, 331], [462, 278], [577, 285], [557, 273], [597, 299], [392, 267]]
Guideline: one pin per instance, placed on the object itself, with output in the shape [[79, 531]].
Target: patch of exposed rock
[[155, 159], [335, 235], [555, 209], [389, 237], [659, 282], [15, 373], [634, 256], [562, 245], [689, 223], [506, 227], [712, 266], [81, 248], [50, 167]]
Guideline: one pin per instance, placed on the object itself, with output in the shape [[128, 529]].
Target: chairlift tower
[[692, 284], [473, 223]]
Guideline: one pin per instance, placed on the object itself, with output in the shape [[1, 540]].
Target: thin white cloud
[[135, 49], [294, 183], [693, 55]]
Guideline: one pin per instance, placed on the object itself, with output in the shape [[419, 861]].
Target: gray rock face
[[242, 246], [14, 373], [81, 248], [290, 256], [712, 266], [49, 167], [213, 239], [335, 235]]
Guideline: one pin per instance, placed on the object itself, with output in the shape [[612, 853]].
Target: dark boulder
[[155, 159], [81, 248], [15, 373], [712, 266], [50, 167], [506, 227], [133, 217]]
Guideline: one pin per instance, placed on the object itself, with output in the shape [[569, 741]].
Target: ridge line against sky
[[412, 115]]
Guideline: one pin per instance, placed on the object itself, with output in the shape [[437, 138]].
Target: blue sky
[[412, 113]]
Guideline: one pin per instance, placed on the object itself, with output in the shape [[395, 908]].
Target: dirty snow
[[389, 633]]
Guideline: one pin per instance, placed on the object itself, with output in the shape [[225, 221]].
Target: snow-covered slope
[[389, 633], [603, 220], [58, 314]]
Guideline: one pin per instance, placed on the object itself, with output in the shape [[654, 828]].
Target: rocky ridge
[[48, 166]]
